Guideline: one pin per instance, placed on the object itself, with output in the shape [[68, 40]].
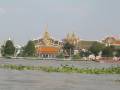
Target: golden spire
[[46, 28], [73, 35], [68, 35], [46, 34]]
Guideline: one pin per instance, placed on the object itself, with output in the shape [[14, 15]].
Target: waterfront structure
[[47, 47], [111, 41]]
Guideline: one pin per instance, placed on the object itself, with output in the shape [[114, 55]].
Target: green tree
[[108, 51], [2, 50], [85, 53], [69, 48], [77, 56], [8, 49], [96, 48], [61, 55], [117, 52], [29, 49]]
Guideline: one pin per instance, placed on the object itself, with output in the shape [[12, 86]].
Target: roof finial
[[46, 28], [46, 34]]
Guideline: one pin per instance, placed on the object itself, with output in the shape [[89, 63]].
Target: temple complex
[[111, 41], [47, 47], [72, 39]]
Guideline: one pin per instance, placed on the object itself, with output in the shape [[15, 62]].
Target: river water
[[57, 63], [34, 80], [38, 80]]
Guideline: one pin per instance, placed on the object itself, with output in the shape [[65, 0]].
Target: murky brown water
[[38, 80], [55, 63], [34, 80]]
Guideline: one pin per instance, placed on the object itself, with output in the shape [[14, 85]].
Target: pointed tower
[[73, 36], [68, 36], [46, 35]]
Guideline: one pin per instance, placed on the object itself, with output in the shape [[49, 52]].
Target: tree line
[[10, 50], [97, 48]]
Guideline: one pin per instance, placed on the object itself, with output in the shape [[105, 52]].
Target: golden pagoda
[[47, 47]]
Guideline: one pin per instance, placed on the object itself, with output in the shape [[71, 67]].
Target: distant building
[[74, 40], [47, 47], [111, 41], [79, 44]]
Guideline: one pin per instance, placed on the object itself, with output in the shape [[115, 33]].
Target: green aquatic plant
[[64, 68]]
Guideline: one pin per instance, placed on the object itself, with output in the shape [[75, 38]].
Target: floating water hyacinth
[[65, 69]]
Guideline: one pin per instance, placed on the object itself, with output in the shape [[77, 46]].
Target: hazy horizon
[[23, 20]]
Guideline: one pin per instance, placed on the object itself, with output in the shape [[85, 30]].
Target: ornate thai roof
[[48, 50]]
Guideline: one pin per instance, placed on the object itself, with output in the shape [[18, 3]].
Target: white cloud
[[2, 11]]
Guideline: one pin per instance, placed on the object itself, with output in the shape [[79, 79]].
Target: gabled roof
[[48, 50]]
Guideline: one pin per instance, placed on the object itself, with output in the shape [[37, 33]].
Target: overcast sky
[[23, 20]]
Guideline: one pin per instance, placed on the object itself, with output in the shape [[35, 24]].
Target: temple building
[[47, 47], [111, 41], [72, 39]]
